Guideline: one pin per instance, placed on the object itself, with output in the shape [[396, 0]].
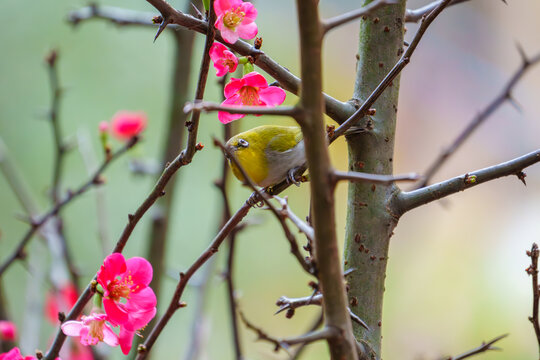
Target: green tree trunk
[[370, 223]]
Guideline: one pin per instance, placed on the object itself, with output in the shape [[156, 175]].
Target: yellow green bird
[[268, 153]]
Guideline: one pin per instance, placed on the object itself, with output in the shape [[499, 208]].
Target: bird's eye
[[243, 143]]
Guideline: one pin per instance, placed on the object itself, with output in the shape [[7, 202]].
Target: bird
[[269, 154]]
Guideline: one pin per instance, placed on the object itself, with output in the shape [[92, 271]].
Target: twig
[[417, 14], [501, 98], [59, 156], [316, 335], [295, 250], [533, 271], [405, 59], [486, 346], [301, 225], [366, 10], [95, 179], [289, 304], [292, 111], [115, 15], [355, 176], [408, 200]]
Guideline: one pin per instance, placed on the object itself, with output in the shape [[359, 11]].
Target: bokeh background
[[456, 271]]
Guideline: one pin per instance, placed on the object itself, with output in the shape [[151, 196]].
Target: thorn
[[197, 11], [524, 59], [162, 27], [514, 103], [521, 176]]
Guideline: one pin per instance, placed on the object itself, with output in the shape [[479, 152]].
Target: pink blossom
[[15, 354], [8, 330], [92, 329], [126, 124], [127, 299], [251, 90], [224, 60], [235, 19], [61, 300]]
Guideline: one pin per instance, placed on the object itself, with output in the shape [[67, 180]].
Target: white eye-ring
[[242, 143]]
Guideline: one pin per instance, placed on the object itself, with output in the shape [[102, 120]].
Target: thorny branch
[[355, 176], [505, 95], [95, 179], [486, 346], [323, 334], [366, 10], [292, 111], [408, 200], [533, 271], [417, 14]]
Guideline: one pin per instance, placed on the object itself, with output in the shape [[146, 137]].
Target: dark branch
[[533, 271], [417, 14], [486, 346], [292, 111], [505, 95], [372, 178], [366, 10], [116, 15], [408, 200]]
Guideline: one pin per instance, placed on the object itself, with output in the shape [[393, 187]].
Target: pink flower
[[126, 124], [15, 354], [127, 299], [92, 329], [224, 60], [235, 19], [61, 300], [251, 90], [8, 330]]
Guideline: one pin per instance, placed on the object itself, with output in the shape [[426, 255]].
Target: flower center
[[233, 18], [227, 62], [96, 329], [120, 288], [249, 95]]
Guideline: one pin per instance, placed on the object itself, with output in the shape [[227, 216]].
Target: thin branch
[[295, 250], [500, 99], [205, 106], [486, 346], [118, 16], [95, 179], [533, 271], [405, 59], [366, 10], [417, 14], [336, 109], [316, 335], [300, 224], [290, 304], [408, 200], [355, 176]]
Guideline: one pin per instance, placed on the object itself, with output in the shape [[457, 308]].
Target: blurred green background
[[456, 271]]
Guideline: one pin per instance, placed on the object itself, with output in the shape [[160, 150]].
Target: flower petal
[[247, 31], [250, 12], [117, 316], [254, 79], [109, 336], [125, 339], [272, 96], [141, 300], [72, 328], [139, 270], [228, 35]]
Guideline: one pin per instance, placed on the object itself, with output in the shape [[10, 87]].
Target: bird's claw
[[290, 177]]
